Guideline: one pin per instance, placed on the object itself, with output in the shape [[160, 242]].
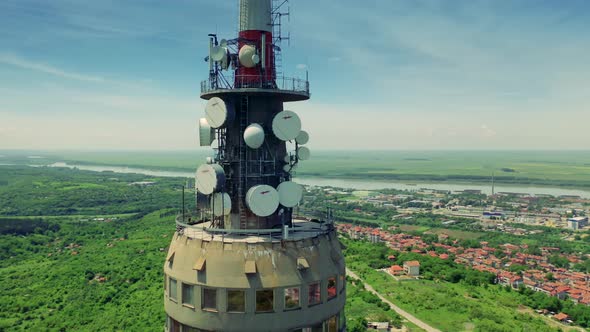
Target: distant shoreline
[[417, 178]]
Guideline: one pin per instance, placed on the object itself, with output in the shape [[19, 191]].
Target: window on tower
[[264, 300], [172, 289], [331, 288], [236, 301], [332, 325], [209, 301], [188, 297], [173, 325], [314, 294], [292, 298]]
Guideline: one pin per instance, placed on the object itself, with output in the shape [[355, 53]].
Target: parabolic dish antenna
[[254, 136], [218, 53], [262, 200], [256, 59], [206, 133], [303, 153], [221, 204], [218, 113], [246, 56], [209, 160], [289, 168], [290, 193], [210, 178], [286, 125], [302, 138]]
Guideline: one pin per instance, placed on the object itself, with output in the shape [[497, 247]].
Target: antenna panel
[[290, 193], [206, 133], [221, 204], [210, 178], [286, 125], [262, 200], [302, 138], [218, 113], [303, 153]]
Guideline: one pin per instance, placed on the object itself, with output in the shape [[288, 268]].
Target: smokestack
[[255, 15]]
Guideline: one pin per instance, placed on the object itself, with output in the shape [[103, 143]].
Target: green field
[[557, 168]]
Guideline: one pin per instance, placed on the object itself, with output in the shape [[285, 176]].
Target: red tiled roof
[[412, 263]]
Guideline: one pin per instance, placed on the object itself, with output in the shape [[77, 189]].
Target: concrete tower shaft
[[255, 15]]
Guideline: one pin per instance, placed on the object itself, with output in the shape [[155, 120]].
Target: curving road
[[397, 309]]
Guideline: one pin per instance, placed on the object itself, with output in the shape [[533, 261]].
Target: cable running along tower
[[242, 260]]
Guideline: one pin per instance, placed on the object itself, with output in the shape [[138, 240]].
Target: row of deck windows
[[236, 298], [333, 324]]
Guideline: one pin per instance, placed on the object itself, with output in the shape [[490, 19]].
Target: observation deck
[[302, 229], [288, 88]]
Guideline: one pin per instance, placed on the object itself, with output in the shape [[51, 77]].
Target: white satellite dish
[[287, 158], [289, 168], [218, 53], [290, 193], [262, 200], [255, 59], [218, 113], [209, 160], [221, 204], [246, 56], [303, 153], [302, 138], [223, 43], [206, 133], [286, 125], [210, 178], [254, 136]]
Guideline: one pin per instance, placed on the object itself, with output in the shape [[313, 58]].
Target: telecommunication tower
[[243, 261]]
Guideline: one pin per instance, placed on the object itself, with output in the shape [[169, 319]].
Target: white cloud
[[16, 61]]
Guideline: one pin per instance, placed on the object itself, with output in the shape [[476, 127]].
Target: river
[[357, 184]]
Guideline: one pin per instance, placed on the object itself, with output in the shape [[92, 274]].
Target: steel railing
[[202, 229], [281, 83]]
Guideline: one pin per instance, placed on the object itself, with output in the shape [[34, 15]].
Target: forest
[[84, 251]]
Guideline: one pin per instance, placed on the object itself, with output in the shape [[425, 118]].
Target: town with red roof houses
[[563, 283]]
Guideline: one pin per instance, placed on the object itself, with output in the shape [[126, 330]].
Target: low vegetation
[[453, 297]]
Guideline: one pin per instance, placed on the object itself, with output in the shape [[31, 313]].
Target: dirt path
[[397, 309]]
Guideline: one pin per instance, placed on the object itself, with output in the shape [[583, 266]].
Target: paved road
[[397, 309]]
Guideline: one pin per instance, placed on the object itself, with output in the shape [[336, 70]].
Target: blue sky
[[384, 74]]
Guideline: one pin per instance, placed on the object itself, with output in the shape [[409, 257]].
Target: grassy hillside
[[454, 298]]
